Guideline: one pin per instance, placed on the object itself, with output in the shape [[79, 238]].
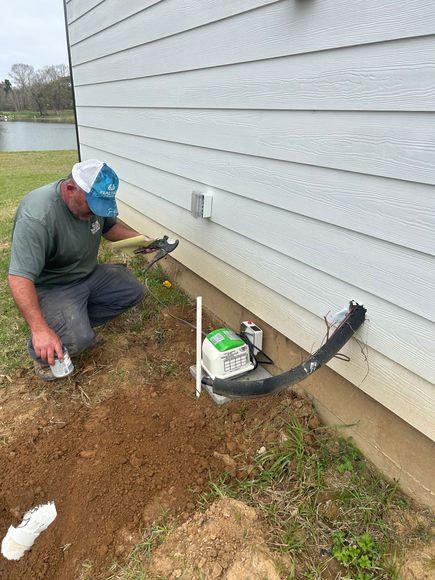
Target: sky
[[31, 32]]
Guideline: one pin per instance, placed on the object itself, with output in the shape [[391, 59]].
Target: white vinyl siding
[[312, 125]]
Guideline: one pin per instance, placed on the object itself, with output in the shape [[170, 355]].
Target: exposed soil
[[227, 540], [113, 446], [124, 440]]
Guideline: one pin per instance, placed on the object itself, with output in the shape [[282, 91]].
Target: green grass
[[20, 172], [135, 565], [328, 508], [157, 296], [66, 116]]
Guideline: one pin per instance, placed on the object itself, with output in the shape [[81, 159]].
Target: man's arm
[[120, 231], [45, 341]]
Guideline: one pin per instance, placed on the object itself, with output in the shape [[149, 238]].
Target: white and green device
[[225, 355]]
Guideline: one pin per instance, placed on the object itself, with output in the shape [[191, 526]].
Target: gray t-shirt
[[50, 246]]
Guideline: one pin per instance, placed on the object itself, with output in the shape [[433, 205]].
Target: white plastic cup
[[20, 539], [62, 368]]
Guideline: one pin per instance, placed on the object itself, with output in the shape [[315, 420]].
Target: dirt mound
[[419, 563], [225, 542], [114, 445]]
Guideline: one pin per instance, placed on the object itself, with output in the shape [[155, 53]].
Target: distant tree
[[61, 93], [46, 89], [40, 97], [51, 89], [23, 76], [6, 95]]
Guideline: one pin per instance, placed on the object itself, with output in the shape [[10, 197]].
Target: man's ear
[[71, 185], [72, 189]]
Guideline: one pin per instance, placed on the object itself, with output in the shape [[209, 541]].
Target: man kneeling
[[53, 273]]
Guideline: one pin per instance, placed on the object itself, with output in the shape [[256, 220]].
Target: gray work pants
[[74, 310]]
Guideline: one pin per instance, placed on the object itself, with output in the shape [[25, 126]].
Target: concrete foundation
[[397, 449]]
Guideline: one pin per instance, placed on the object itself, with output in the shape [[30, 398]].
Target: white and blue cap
[[100, 183]]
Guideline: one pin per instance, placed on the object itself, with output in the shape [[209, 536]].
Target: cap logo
[[100, 183]]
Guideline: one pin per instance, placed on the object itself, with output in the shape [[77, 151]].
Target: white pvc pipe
[[198, 344]]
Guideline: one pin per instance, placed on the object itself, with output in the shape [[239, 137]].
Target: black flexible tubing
[[250, 389]]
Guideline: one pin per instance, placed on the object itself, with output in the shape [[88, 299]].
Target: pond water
[[22, 136]]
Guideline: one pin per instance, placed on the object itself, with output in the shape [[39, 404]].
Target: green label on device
[[224, 339]]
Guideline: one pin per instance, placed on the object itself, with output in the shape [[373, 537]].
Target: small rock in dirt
[[314, 422], [303, 411], [119, 550], [155, 415], [329, 510], [102, 551], [16, 512], [86, 454], [236, 417], [283, 437], [226, 459], [216, 571], [136, 461], [232, 446]]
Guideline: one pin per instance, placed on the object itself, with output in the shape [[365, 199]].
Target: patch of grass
[[4, 434], [157, 296], [86, 572], [135, 567], [66, 116], [160, 334], [168, 366], [325, 505], [20, 172]]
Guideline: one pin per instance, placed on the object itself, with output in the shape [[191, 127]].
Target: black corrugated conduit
[[236, 389]]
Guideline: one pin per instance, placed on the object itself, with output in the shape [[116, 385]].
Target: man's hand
[[45, 341], [46, 344], [145, 250]]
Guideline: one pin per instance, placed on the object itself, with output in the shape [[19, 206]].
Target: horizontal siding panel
[[410, 397], [396, 211], [390, 76], [163, 20], [397, 145], [310, 288], [105, 14], [279, 29], [77, 8]]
